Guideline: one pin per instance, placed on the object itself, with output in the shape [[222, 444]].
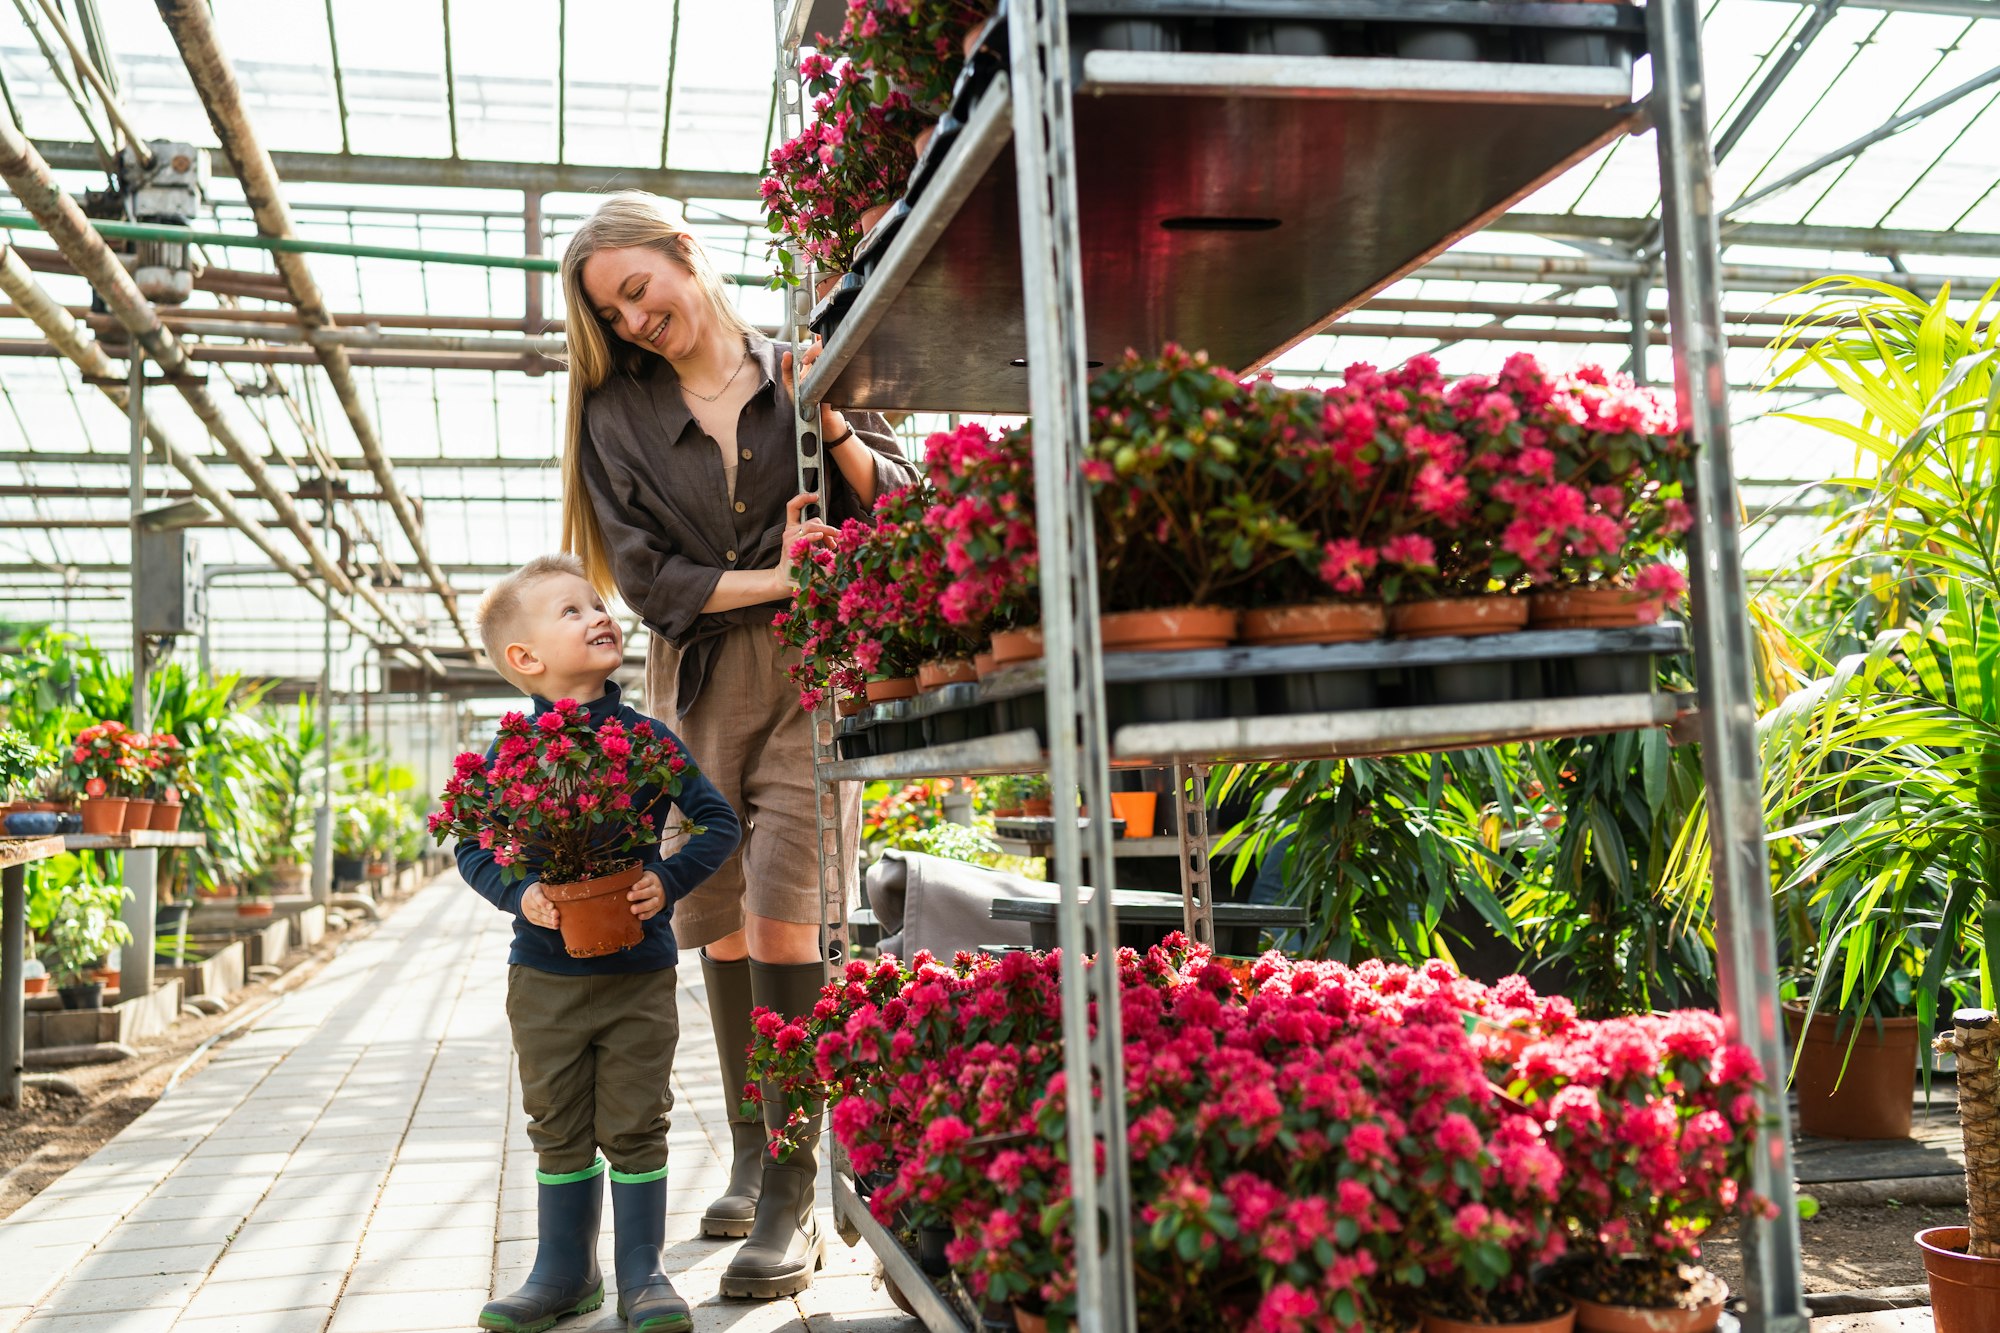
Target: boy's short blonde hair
[[500, 609]]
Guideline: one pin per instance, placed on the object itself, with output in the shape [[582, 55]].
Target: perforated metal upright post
[[1191, 824], [1079, 747], [1746, 956]]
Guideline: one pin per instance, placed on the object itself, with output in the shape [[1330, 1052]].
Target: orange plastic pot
[[1965, 1290], [138, 814], [1185, 628], [1321, 622], [104, 814], [1873, 1098], [595, 916], [167, 816], [951, 671], [1592, 1317], [1589, 608], [896, 687], [1562, 1323], [1017, 645], [1458, 617], [1137, 809]]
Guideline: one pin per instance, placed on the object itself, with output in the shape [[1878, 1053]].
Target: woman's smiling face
[[647, 299]]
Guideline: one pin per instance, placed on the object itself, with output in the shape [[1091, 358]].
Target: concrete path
[[356, 1161]]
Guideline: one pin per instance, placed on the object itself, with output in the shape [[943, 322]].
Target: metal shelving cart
[[1239, 202]]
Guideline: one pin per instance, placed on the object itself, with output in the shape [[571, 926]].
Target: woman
[[679, 476]]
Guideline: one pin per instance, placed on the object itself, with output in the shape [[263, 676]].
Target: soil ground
[[52, 1132], [1851, 1248]]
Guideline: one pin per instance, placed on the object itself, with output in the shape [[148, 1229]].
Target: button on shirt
[[672, 520]]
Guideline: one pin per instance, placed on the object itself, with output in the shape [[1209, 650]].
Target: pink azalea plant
[[985, 516], [1312, 1146], [559, 794], [911, 45], [107, 759]]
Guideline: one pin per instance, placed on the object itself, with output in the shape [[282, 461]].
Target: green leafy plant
[[84, 927], [22, 763]]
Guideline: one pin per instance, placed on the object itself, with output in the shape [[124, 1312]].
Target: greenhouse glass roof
[[1855, 137]]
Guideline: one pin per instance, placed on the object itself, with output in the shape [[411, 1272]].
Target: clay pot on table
[[167, 813], [1187, 628], [1017, 645], [1590, 608], [595, 915], [138, 814], [1319, 622], [951, 671], [894, 687], [104, 814], [1458, 617]]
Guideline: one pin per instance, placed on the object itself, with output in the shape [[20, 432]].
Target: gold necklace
[[711, 397]]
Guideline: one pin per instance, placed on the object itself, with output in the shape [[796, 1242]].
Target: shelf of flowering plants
[[1188, 233]]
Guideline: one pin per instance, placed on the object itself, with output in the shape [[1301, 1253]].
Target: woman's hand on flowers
[[647, 896], [831, 423], [535, 906], [799, 530]]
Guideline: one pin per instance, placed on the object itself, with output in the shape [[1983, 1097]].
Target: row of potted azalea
[[130, 780], [1312, 1145], [877, 89], [1393, 502]]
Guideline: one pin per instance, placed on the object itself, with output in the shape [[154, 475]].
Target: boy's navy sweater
[[541, 948]]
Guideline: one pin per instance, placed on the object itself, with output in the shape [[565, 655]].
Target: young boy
[[594, 1036]]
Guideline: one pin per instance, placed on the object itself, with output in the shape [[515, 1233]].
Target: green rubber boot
[[565, 1279], [647, 1302]]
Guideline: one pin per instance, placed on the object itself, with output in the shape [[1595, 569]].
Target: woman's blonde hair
[[627, 219]]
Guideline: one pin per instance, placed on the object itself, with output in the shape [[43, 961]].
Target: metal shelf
[[932, 1308], [1201, 222], [1372, 731]]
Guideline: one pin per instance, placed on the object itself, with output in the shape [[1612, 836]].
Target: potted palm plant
[[1883, 770]]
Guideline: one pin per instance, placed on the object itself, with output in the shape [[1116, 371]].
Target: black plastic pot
[[869, 253], [83, 995], [1130, 35], [1586, 48], [959, 724], [826, 316], [1466, 683], [349, 867], [1609, 675], [1315, 692], [1130, 702], [1021, 713], [930, 1250], [1433, 43], [1262, 38]]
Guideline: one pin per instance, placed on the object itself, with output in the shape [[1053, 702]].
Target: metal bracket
[[1191, 822]]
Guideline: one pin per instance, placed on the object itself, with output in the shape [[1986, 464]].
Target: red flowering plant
[[911, 45], [1187, 511], [164, 763], [562, 796], [916, 579], [985, 517], [1657, 1120], [106, 759], [812, 624], [855, 152]]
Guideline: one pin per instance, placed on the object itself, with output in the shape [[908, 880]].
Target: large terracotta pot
[[1320, 622], [1017, 645], [167, 815], [104, 814], [1874, 1096], [1590, 608], [595, 915], [1965, 1291], [138, 814], [896, 687], [952, 671], [1186, 628], [1592, 1317], [1458, 617], [1562, 1323]]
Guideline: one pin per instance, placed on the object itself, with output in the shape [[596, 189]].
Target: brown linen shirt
[[655, 478]]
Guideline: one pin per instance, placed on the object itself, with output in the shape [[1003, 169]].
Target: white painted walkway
[[357, 1162]]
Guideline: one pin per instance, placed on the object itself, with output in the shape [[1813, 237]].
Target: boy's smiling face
[[567, 644]]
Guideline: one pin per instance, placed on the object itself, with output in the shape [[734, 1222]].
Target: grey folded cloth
[[929, 902]]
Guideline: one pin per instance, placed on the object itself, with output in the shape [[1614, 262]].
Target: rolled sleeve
[[665, 587]]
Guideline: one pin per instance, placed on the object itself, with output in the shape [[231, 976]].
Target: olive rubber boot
[[565, 1279], [647, 1302], [785, 1245], [729, 1006]]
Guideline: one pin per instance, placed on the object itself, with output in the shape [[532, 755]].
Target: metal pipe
[[215, 80], [296, 356], [88, 67], [327, 336], [1724, 642], [180, 320], [1768, 235], [1809, 31], [288, 245], [65, 334]]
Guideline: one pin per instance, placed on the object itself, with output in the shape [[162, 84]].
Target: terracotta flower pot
[[847, 705], [983, 664], [923, 138], [1320, 622], [1458, 617], [104, 814], [951, 671], [1137, 809], [34, 985], [1185, 628], [1038, 809], [1009, 812], [1017, 645], [138, 814], [1965, 1290], [871, 218], [167, 816], [1562, 1323], [1874, 1096], [595, 915], [1593, 1317], [1027, 1321], [827, 282], [1590, 608], [254, 907], [895, 687]]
